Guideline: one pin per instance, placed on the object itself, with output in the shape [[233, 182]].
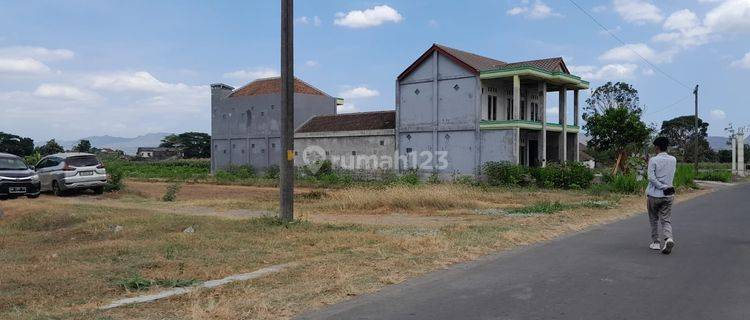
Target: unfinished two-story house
[[477, 109], [246, 123]]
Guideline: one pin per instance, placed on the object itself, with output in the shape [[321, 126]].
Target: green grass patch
[[544, 207]]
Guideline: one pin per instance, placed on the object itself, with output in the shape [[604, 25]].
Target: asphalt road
[[605, 273]]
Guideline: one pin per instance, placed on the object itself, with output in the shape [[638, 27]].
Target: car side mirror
[[32, 168]]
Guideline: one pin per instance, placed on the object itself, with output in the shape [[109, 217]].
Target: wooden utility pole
[[696, 134], [286, 165]]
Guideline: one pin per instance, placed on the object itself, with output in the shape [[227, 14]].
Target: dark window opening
[[408, 150], [382, 142], [354, 153]]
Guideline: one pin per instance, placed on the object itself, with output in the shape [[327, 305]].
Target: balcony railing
[[524, 124]]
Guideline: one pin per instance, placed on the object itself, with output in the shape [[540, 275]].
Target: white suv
[[70, 171]]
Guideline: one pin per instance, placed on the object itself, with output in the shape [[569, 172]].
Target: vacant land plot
[[65, 257]]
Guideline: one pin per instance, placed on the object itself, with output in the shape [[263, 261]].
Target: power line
[[628, 46], [670, 106]]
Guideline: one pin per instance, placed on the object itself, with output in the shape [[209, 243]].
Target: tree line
[[190, 144], [617, 131]]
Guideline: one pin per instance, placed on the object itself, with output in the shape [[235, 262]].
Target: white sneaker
[[668, 245], [655, 245]]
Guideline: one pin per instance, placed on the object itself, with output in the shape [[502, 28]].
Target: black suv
[[16, 178]]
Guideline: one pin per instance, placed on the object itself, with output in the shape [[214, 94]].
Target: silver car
[[62, 172]]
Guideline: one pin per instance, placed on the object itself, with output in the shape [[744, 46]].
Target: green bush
[[114, 181], [171, 194], [272, 172], [628, 184], [684, 176], [503, 173], [715, 175], [410, 177], [33, 159], [569, 176], [242, 172]]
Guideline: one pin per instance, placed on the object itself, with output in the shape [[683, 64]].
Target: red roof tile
[[273, 85]]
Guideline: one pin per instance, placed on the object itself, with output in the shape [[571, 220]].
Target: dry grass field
[[62, 258]]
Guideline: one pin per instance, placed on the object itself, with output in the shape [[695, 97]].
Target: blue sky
[[70, 69]]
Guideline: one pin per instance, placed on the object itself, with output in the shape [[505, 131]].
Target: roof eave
[[558, 77]]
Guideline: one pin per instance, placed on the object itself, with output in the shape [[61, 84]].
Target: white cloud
[[312, 64], [744, 62], [718, 114], [136, 81], [648, 72], [61, 91], [348, 108], [539, 10], [606, 72], [252, 74], [36, 53], [22, 66], [433, 23], [638, 11], [630, 52], [303, 20], [368, 18], [359, 93], [684, 29], [732, 16], [516, 11]]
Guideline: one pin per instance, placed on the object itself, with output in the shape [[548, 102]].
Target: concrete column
[[516, 97], [734, 154], [435, 116], [741, 154], [543, 107], [563, 110], [575, 107]]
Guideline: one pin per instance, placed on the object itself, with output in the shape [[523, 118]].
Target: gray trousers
[[660, 210]]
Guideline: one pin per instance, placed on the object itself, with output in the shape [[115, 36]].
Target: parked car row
[[58, 173]]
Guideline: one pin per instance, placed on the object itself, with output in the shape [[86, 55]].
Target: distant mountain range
[[720, 143], [129, 145]]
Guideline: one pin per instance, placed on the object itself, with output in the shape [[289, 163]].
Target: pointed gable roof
[[273, 85], [477, 63]]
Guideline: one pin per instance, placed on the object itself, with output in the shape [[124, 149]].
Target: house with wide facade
[[455, 111]]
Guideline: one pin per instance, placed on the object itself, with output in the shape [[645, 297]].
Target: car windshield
[[12, 164], [82, 161]]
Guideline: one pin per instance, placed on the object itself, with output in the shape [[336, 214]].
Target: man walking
[[661, 169]]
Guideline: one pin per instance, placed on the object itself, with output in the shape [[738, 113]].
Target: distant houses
[[158, 153]]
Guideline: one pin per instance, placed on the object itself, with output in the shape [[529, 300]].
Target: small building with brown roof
[[354, 141], [245, 122]]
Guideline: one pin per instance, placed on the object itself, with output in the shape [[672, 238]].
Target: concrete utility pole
[[286, 165], [696, 135]]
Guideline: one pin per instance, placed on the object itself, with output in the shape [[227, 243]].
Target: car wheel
[[98, 190], [56, 189]]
